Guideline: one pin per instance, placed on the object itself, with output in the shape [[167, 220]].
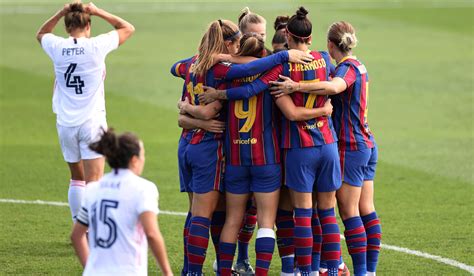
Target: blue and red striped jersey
[[314, 132], [351, 106], [252, 134]]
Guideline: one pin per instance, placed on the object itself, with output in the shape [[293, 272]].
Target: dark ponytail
[[76, 18], [299, 26], [117, 149]]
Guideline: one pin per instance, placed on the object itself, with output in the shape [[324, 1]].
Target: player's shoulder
[[144, 184]]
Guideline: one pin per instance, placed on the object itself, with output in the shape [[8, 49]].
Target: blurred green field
[[420, 57]]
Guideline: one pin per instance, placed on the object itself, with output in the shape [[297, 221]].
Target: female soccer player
[[119, 213], [310, 150], [78, 99], [279, 42], [253, 164], [201, 152], [357, 147]]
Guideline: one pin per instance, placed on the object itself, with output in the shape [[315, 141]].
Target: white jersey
[[79, 66], [111, 209]]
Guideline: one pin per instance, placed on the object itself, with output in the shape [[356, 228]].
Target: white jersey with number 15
[[79, 66]]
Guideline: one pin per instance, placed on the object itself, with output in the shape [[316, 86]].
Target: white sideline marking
[[56, 203], [439, 259]]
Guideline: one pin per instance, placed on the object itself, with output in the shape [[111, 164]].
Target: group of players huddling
[[273, 139]]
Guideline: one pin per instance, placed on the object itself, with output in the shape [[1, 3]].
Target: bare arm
[[124, 28], [203, 112], [155, 241], [79, 242], [188, 122], [298, 113], [288, 86], [48, 25]]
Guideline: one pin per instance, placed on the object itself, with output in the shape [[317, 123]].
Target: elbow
[[180, 122], [291, 116], [131, 29], [332, 90]]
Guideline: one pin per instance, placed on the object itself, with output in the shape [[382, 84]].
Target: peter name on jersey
[[73, 51]]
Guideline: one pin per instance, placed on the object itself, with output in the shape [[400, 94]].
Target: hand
[[213, 126], [285, 87], [208, 96], [92, 9], [64, 10], [328, 108], [298, 56], [216, 58], [182, 106]]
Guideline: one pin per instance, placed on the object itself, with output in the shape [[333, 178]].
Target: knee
[[366, 208]]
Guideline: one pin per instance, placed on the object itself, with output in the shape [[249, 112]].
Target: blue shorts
[[312, 169], [358, 166], [247, 179], [201, 166]]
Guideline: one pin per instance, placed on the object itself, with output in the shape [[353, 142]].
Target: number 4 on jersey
[[76, 81]]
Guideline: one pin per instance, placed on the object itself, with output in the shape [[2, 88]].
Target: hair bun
[[348, 41], [280, 22], [76, 7], [245, 11], [301, 13]]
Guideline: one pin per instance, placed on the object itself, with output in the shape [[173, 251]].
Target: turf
[[420, 60]]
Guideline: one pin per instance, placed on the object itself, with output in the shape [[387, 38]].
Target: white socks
[[74, 196]]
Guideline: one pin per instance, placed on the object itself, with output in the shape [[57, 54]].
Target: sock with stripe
[[187, 223], [285, 224], [264, 246], [356, 241], [374, 236], [217, 224], [246, 233], [303, 240], [74, 196], [198, 240], [227, 252], [317, 241], [331, 243]]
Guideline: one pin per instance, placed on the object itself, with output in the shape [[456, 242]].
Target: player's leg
[[207, 162], [265, 184], [185, 178], [245, 235], [93, 169], [94, 163], [235, 208], [369, 215], [68, 139], [285, 224], [317, 237], [328, 182], [217, 224], [300, 173]]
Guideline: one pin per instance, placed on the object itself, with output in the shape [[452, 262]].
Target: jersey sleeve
[[347, 73], [148, 199], [257, 66], [106, 43], [49, 43], [254, 88], [179, 68]]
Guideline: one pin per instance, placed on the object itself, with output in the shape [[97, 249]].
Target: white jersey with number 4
[[79, 66], [111, 209]]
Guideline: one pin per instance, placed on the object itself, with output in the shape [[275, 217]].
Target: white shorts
[[75, 141]]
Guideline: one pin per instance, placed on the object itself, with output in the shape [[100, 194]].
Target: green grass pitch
[[419, 55]]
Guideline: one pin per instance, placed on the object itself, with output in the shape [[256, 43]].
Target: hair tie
[[302, 37], [232, 36]]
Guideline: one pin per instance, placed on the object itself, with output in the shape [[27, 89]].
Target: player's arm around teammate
[[357, 148], [128, 205], [78, 99]]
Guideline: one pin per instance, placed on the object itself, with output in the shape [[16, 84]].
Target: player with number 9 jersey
[[78, 97]]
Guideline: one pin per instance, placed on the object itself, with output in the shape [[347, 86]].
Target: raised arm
[[155, 241], [243, 92], [266, 63], [298, 113], [48, 25], [187, 122], [288, 86], [123, 28]]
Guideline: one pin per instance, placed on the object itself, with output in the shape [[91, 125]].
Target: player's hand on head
[[91, 9], [298, 56], [285, 87], [65, 9]]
